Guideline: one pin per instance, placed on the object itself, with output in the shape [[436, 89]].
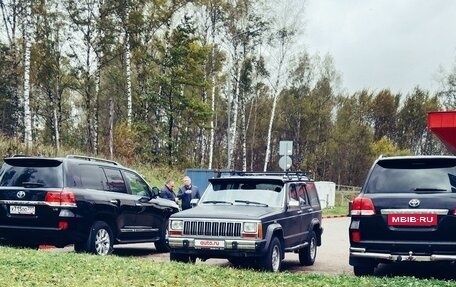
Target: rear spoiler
[[33, 161]]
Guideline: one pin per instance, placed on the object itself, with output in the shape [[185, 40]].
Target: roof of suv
[[415, 157], [281, 176], [20, 158]]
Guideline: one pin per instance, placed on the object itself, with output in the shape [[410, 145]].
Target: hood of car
[[218, 211]]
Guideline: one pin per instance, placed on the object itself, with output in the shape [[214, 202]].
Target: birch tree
[[212, 14], [27, 46], [51, 75], [84, 17], [11, 19], [282, 39]]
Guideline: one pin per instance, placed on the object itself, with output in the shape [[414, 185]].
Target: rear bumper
[[232, 247], [360, 254]]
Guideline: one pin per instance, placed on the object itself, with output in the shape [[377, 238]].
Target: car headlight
[[177, 225], [250, 227]]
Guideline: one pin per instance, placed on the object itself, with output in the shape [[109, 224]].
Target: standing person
[[187, 192], [167, 191]]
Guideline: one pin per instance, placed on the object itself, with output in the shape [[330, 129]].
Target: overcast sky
[[377, 44]]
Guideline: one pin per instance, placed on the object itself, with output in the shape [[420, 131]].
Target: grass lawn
[[21, 267]]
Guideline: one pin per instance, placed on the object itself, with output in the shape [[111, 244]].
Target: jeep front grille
[[212, 228]]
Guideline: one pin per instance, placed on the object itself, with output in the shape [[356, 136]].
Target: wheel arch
[[274, 229], [316, 227]]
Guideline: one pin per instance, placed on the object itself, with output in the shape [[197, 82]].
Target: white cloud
[[396, 44]]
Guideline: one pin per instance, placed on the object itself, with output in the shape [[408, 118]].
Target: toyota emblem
[[414, 202], [20, 194]]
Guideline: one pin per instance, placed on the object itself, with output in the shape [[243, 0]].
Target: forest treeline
[[197, 84]]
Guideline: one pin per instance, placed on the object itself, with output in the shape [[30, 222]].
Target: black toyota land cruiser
[[89, 202], [251, 219], [405, 212]]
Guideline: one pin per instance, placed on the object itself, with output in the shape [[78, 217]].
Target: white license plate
[[21, 209], [211, 244]]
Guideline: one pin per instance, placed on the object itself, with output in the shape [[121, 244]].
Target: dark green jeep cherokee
[[251, 219]]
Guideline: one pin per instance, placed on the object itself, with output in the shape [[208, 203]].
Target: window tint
[[263, 191], [312, 193], [116, 182], [136, 184], [88, 176], [297, 192], [413, 176], [31, 176]]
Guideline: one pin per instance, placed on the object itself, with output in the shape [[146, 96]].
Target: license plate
[[211, 244], [21, 209], [412, 219]]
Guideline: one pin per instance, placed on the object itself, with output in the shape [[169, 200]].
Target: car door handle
[[115, 201], [138, 204], [310, 209], [299, 211]]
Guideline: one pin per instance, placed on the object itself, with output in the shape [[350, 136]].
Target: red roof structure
[[443, 125]]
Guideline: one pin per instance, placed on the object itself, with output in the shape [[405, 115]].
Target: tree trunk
[[128, 76], [276, 92], [27, 113], [233, 115], [56, 130], [111, 128], [244, 138]]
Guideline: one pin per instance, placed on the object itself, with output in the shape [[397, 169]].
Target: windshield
[[251, 193], [413, 176]]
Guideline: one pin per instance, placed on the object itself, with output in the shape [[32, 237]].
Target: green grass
[[20, 267]]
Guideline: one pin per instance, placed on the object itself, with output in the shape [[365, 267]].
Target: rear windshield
[[413, 176], [31, 176]]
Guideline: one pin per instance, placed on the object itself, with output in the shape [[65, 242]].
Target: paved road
[[332, 256]]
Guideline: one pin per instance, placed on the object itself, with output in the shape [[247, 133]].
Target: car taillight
[[363, 206], [60, 198], [63, 225], [355, 236]]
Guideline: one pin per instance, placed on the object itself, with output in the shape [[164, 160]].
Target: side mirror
[[194, 202], [155, 191], [144, 199]]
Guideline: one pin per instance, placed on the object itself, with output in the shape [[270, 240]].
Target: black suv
[[251, 219], [405, 212], [89, 202]]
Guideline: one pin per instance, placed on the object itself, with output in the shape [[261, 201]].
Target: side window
[[136, 184], [115, 182], [302, 194], [293, 192], [88, 176], [313, 195]]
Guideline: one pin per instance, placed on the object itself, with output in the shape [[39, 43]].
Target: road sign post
[[285, 150]]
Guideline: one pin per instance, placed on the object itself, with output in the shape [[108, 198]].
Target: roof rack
[[285, 174], [89, 158], [21, 155]]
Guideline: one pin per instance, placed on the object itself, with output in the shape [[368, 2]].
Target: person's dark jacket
[[167, 193], [187, 197]]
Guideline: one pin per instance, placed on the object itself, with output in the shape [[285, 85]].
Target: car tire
[[183, 258], [100, 241], [161, 245], [363, 270], [272, 261], [237, 261], [308, 254], [80, 247]]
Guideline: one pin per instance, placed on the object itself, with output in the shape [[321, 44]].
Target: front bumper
[[231, 247]]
